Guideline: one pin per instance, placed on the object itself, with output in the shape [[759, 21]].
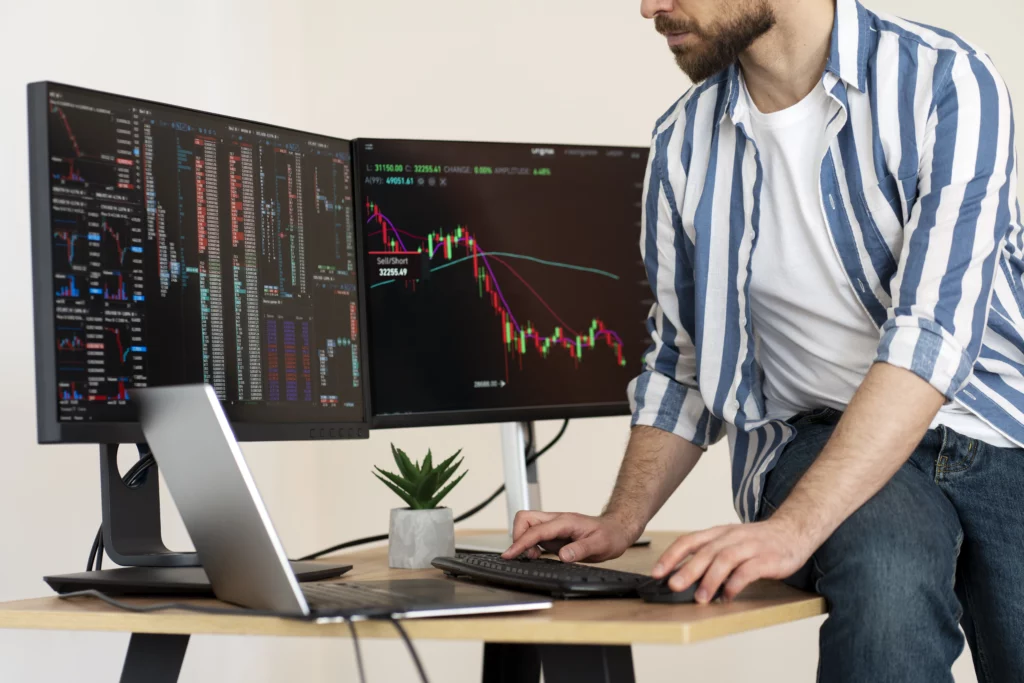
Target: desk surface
[[596, 622]]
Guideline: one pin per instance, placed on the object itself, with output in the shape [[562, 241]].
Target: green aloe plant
[[420, 486]]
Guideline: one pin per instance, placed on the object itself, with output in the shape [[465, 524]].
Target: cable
[[343, 546], [133, 478], [411, 649], [359, 652], [461, 518], [184, 606]]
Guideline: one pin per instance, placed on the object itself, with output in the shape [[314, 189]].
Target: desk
[[582, 640]]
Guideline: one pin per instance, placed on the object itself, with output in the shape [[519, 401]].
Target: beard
[[721, 44]]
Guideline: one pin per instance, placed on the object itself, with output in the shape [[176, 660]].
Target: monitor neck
[[131, 517]]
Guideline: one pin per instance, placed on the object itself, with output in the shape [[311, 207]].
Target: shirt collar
[[851, 34], [848, 58]]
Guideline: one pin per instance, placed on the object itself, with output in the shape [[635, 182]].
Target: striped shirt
[[919, 193]]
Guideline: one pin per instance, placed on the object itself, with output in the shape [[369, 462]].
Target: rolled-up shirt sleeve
[[952, 243], [665, 395]]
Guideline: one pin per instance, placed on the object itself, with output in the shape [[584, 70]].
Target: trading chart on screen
[[501, 275]]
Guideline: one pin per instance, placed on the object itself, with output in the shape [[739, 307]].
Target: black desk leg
[[511, 663], [590, 663], [154, 658]]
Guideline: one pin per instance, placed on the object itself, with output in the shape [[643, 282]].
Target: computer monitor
[[504, 281], [173, 246]]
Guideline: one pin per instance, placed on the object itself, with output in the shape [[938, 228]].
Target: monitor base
[[180, 581]]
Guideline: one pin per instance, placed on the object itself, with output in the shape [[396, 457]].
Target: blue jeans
[[941, 545]]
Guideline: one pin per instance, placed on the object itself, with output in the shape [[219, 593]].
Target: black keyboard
[[552, 577], [333, 597]]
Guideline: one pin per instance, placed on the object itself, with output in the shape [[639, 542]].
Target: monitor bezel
[[483, 415], [50, 429]]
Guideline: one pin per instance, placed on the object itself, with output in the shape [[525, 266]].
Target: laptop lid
[[217, 498]]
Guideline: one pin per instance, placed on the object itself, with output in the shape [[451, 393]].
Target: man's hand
[[576, 538], [736, 555]]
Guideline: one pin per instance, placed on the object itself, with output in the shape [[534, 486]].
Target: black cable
[[184, 606], [343, 546], [529, 461], [133, 478], [359, 652], [411, 649], [461, 518]]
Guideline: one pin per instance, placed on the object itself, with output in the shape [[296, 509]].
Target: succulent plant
[[421, 486]]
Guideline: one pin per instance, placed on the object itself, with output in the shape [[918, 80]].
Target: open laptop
[[210, 483]]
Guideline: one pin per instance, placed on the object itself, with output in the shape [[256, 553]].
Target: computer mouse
[[657, 590]]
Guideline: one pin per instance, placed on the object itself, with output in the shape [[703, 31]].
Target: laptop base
[[180, 581]]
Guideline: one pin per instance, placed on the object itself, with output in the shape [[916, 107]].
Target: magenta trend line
[[388, 220]]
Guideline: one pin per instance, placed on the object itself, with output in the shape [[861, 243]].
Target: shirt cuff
[[660, 402], [926, 349]]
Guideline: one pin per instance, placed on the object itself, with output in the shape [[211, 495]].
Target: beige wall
[[528, 70]]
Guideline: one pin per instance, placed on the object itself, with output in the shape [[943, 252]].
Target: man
[[832, 234]]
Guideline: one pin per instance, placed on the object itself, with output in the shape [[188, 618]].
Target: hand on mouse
[[576, 538], [732, 557]]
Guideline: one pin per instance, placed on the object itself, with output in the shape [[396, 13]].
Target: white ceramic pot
[[418, 536]]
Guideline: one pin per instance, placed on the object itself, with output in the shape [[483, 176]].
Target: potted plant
[[421, 531]]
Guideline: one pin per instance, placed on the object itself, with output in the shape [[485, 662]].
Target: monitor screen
[[504, 281], [175, 246]]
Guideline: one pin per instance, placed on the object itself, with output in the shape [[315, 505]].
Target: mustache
[[666, 25]]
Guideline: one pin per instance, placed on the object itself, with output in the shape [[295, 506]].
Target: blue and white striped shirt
[[919, 193]]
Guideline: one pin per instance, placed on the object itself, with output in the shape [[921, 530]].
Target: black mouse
[[657, 590]]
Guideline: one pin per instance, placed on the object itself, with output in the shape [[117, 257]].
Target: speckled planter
[[418, 536]]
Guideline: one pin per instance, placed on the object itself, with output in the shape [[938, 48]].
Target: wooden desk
[[576, 640]]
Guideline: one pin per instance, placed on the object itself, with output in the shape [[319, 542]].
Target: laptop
[[224, 514]]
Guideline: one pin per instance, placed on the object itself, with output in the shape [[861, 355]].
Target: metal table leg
[[591, 663], [518, 663], [511, 663], [154, 658]]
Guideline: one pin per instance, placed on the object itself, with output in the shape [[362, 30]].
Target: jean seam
[[982, 659]]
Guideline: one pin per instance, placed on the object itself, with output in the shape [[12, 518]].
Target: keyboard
[[344, 597], [552, 577]]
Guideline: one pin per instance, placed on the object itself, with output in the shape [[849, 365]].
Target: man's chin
[[696, 68]]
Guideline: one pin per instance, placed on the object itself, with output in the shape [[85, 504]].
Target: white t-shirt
[[815, 340]]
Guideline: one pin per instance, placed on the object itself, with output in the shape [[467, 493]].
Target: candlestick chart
[[527, 286], [517, 338]]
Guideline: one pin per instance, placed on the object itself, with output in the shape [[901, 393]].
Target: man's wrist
[[805, 528], [631, 521]]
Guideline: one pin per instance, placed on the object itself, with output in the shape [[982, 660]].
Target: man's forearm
[[655, 464], [884, 422]]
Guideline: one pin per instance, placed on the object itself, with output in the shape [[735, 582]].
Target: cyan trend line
[[557, 264]]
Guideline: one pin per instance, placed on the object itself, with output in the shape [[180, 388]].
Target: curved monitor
[[504, 281], [172, 246]]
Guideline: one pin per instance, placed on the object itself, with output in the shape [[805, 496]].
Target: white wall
[[530, 70]]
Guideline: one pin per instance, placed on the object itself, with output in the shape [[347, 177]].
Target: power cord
[[133, 478], [461, 518], [359, 652], [412, 650]]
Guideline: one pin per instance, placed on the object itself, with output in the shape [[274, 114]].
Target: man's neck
[[785, 64]]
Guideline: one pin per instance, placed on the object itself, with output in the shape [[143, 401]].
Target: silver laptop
[[215, 493]]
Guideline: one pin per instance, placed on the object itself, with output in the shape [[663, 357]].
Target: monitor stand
[[522, 489], [133, 539]]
